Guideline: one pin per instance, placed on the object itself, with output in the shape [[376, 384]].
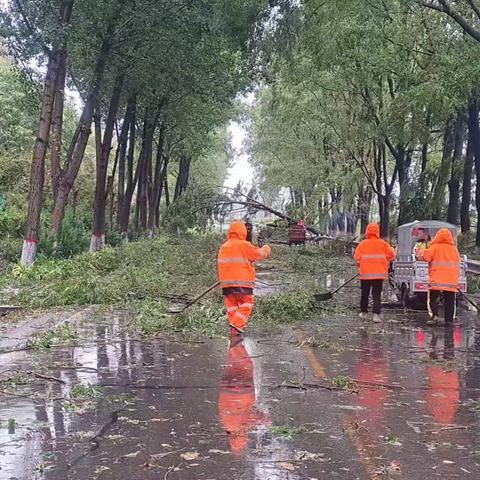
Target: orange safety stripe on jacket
[[373, 255], [236, 257], [444, 262]]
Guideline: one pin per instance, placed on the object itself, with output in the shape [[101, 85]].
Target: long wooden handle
[[346, 283], [469, 300], [197, 299]]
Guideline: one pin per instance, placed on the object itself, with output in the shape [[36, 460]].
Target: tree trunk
[[467, 188], [122, 156], [127, 204], [473, 113], [438, 200], [182, 178], [384, 211], [155, 191], [162, 185], [364, 207], [124, 210], [456, 173], [167, 192], [110, 193], [57, 60], [403, 161], [37, 174], [57, 121], [77, 150], [98, 230], [145, 172]]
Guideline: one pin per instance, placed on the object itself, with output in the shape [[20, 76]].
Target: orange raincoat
[[373, 255], [444, 262], [236, 271], [236, 257]]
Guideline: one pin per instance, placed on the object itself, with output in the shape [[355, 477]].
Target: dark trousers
[[448, 304], [375, 286]]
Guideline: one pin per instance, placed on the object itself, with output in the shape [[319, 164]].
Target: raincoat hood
[[373, 231], [237, 231], [443, 236]]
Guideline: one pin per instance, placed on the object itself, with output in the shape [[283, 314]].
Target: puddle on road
[[125, 408]]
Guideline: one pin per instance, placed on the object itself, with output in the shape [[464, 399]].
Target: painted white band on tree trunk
[[97, 242], [29, 252]]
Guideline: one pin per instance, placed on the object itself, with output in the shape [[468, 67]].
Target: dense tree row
[[157, 81], [372, 100]]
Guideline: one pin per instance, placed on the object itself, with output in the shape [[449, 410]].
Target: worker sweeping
[[444, 274], [373, 257], [237, 276]]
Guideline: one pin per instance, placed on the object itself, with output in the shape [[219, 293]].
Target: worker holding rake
[[237, 275]]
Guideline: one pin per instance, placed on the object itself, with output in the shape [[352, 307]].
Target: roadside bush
[[10, 248], [12, 222], [74, 239]]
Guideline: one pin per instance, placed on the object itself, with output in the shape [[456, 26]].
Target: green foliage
[[12, 222], [19, 109], [286, 431], [19, 379], [288, 307], [73, 240], [344, 382], [205, 319], [79, 391], [65, 334], [351, 78], [141, 270], [209, 317]]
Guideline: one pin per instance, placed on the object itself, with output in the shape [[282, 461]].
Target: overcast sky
[[241, 168]]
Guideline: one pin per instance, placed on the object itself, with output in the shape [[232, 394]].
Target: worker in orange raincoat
[[236, 273], [373, 257], [444, 273], [237, 401]]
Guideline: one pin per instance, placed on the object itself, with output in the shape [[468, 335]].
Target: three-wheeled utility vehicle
[[409, 275]]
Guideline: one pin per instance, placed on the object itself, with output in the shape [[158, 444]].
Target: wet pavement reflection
[[115, 406]]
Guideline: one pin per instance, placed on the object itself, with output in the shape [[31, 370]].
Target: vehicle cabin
[[410, 275]]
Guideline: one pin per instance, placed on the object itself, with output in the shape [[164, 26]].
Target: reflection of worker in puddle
[[443, 391], [237, 402], [372, 369], [365, 428]]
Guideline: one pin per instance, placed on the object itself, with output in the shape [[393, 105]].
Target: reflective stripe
[[445, 264], [443, 285], [236, 283], [384, 257], [246, 305], [370, 275], [223, 261], [232, 309], [241, 316]]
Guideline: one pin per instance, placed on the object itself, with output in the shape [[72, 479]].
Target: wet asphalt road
[[258, 409]]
